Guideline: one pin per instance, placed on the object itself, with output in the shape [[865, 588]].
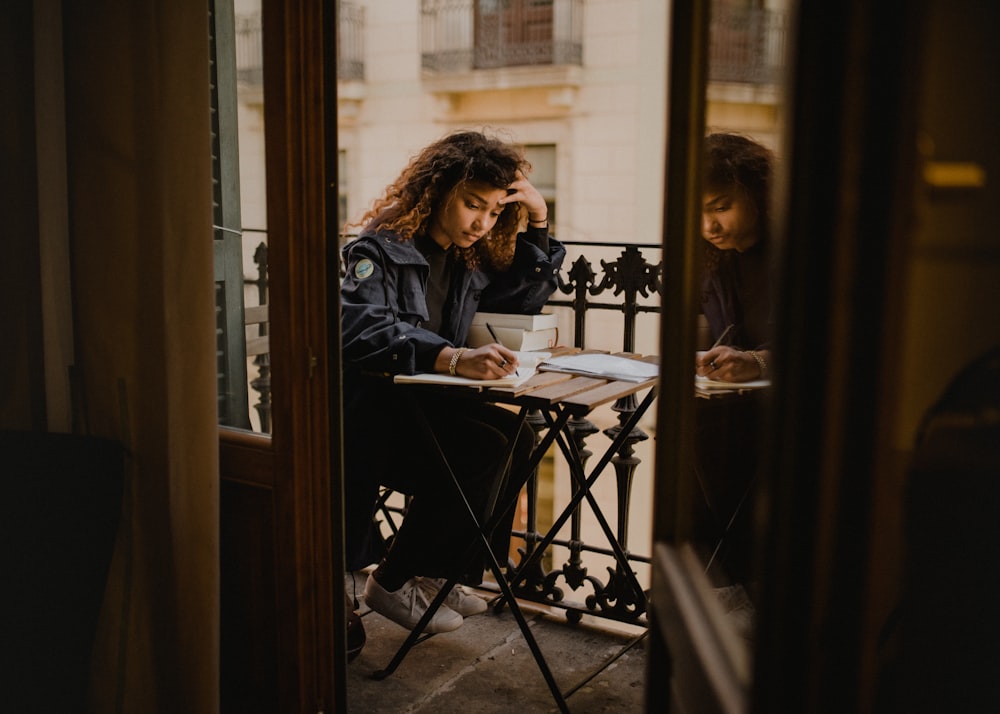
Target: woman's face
[[729, 219], [468, 214]]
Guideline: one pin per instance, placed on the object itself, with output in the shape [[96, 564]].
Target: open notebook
[[527, 364]]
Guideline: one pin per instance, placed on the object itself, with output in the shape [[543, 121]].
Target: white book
[[525, 322]]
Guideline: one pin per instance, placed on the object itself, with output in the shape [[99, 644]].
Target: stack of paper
[[602, 365], [541, 321]]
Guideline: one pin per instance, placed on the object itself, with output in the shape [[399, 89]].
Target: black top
[[440, 262], [738, 293]]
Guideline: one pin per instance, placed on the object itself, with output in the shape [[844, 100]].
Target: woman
[[736, 298], [441, 244], [736, 301]]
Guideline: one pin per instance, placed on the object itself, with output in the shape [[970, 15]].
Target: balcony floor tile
[[485, 666]]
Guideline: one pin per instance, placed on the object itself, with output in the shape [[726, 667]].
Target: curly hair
[[429, 181], [731, 160]]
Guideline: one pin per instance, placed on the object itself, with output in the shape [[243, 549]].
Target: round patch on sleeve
[[364, 269]]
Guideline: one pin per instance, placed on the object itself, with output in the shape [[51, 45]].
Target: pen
[[496, 339], [717, 342]]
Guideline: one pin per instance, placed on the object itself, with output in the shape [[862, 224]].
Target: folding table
[[558, 397]]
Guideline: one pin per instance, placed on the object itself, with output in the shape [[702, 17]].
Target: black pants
[[726, 461], [474, 436]]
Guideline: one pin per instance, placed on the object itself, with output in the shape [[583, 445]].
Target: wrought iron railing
[[463, 35], [258, 331], [747, 45], [627, 282], [628, 277]]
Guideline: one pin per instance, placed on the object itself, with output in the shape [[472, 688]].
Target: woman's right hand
[[487, 362], [727, 364], [522, 191]]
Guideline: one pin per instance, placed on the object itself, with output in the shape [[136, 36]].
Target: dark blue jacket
[[383, 305], [383, 299]]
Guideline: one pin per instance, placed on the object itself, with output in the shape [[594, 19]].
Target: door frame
[[299, 464]]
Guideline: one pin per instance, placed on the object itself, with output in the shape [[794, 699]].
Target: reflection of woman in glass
[[736, 302], [736, 297]]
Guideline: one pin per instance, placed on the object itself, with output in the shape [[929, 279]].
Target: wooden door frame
[[298, 57], [300, 462]]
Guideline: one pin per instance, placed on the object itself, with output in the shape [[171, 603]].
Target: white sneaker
[[407, 605], [464, 603]]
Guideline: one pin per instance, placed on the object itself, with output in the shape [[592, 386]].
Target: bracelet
[[760, 362], [544, 223], [453, 365]]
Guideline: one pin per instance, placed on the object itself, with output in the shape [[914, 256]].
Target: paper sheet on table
[[527, 363], [602, 365]]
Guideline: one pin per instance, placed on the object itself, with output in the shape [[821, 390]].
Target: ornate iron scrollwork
[[633, 277]]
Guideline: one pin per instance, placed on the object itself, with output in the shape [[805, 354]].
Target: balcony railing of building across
[[350, 45], [626, 283], [465, 35], [747, 45]]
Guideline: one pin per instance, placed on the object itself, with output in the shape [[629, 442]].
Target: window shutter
[[227, 224]]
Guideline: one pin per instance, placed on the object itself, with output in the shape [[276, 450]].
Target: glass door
[[282, 635], [727, 92]]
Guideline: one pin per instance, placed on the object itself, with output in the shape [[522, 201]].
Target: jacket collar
[[396, 250]]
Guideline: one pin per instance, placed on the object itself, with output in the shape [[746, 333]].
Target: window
[[227, 225], [342, 186], [516, 32]]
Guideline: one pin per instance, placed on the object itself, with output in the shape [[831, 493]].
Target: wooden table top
[[579, 394]]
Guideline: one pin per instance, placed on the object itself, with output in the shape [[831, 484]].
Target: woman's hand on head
[[487, 362], [522, 191], [726, 364]]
